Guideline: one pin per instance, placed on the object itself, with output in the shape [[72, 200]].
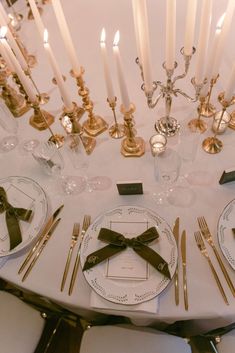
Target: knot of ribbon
[[12, 216], [117, 243]]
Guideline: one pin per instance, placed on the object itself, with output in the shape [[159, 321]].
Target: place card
[[227, 176], [132, 187], [127, 264]]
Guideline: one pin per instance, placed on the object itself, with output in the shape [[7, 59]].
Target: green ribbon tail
[[13, 229]]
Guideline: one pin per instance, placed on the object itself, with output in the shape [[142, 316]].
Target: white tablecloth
[[86, 19]]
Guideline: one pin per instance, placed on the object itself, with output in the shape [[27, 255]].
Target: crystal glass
[[10, 125], [52, 163], [80, 161], [166, 167]]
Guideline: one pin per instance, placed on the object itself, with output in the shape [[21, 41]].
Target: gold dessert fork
[[207, 235], [202, 248], [85, 225], [74, 239]]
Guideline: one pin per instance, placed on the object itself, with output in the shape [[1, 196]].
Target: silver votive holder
[[158, 144]]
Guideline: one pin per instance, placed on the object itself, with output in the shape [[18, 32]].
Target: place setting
[[128, 257]]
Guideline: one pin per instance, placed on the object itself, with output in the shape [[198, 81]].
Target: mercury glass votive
[[158, 144], [220, 125]]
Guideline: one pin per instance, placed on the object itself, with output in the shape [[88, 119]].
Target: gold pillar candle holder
[[116, 131], [198, 125], [95, 124], [208, 110], [15, 102], [167, 124], [70, 121], [131, 146], [213, 144]]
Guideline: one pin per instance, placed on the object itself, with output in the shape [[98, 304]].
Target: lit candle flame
[[116, 39], [103, 36], [3, 32], [45, 37], [220, 22]]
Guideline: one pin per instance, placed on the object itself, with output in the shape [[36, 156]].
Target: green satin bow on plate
[[117, 243], [12, 216]]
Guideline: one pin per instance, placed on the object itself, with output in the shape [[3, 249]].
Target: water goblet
[[10, 125]]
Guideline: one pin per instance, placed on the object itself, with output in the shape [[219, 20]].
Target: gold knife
[[176, 235], [74, 239], [47, 237], [44, 232], [183, 255]]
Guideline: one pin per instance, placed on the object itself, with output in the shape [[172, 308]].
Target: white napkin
[[98, 302]]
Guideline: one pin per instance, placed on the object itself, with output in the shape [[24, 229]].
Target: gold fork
[[207, 235], [202, 248], [85, 225], [74, 239]]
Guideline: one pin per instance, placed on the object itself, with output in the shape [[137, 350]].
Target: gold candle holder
[[15, 102], [208, 110], [213, 144], [198, 125], [116, 131], [70, 121], [95, 124], [132, 146]]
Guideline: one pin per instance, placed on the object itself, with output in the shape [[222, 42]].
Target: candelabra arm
[[192, 99]]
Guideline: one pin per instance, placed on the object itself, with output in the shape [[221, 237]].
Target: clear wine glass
[[80, 161], [166, 167], [10, 125], [52, 163]]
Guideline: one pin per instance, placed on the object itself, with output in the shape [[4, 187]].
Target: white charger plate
[[23, 192], [225, 235], [123, 291]]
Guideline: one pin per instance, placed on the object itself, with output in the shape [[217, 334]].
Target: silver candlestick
[[167, 124]]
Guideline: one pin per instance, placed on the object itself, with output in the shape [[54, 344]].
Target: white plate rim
[[25, 244], [166, 281]]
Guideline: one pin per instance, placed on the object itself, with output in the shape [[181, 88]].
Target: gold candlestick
[[95, 124], [132, 146], [198, 125], [116, 131], [213, 144], [15, 102], [208, 110], [70, 121]]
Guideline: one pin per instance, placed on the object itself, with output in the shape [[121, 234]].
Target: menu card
[[127, 264]]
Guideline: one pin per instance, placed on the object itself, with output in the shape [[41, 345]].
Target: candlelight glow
[[103, 36], [46, 35], [220, 22], [3, 32], [116, 39]]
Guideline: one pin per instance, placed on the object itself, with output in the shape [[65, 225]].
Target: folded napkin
[[97, 302], [117, 243], [12, 216]]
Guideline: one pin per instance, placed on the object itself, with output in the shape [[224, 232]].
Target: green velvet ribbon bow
[[117, 243], [12, 216]]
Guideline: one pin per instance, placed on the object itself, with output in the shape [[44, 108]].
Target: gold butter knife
[[45, 230], [183, 255], [85, 225], [74, 239], [176, 235], [45, 240]]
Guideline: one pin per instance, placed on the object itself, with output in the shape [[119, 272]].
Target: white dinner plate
[[226, 238], [128, 291], [26, 193]]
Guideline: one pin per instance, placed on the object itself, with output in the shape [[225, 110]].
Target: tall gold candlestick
[[70, 121], [198, 125], [95, 124], [132, 146], [15, 102], [116, 131], [208, 110], [213, 144]]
